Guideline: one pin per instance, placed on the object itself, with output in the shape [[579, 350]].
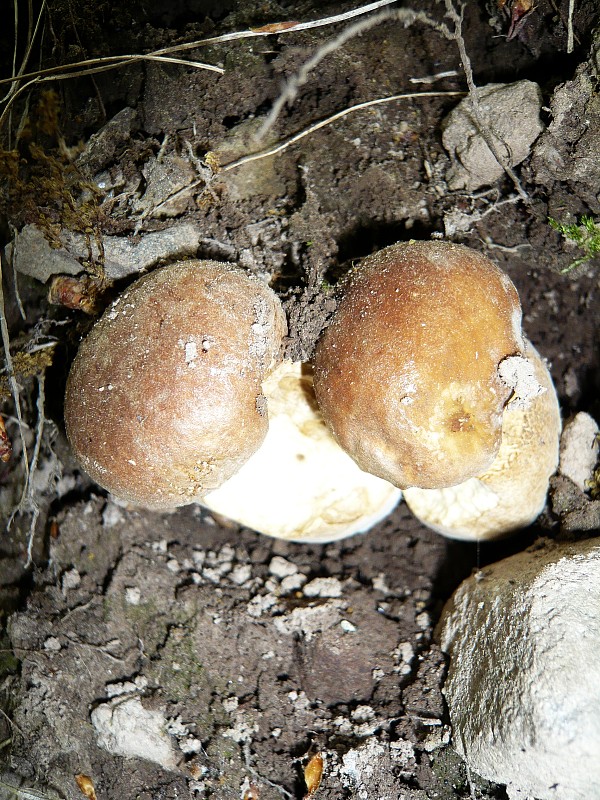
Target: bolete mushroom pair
[[422, 382]]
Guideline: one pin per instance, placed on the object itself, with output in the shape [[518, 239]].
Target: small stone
[[323, 587], [70, 580], [111, 515], [31, 253], [292, 583], [126, 728], [512, 112], [280, 567], [579, 448], [240, 574], [133, 595]]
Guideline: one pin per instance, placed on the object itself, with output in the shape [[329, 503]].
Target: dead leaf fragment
[[5, 443], [86, 786], [275, 27], [313, 772]]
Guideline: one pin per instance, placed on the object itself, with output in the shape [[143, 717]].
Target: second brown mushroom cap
[[420, 358]]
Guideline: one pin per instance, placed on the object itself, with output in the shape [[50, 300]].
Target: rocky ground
[[152, 655]]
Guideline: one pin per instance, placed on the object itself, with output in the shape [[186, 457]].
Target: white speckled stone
[[579, 449], [523, 688]]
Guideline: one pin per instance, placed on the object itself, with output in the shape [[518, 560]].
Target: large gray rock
[[523, 688], [511, 113]]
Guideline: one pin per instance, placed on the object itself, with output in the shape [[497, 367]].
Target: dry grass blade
[[93, 67], [10, 372], [283, 145], [31, 36], [404, 15], [489, 137]]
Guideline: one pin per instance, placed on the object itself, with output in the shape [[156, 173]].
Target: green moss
[[9, 663], [179, 670], [454, 781], [585, 234]]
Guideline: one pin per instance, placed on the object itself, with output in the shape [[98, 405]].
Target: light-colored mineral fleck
[[126, 728], [579, 446], [323, 587]]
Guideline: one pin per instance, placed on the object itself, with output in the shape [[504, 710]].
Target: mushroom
[[511, 493], [409, 374], [300, 485], [164, 401]]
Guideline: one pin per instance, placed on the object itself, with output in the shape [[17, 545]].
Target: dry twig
[[404, 15], [489, 137], [10, 373], [283, 145]]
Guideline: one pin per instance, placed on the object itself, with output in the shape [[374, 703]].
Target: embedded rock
[[511, 113], [32, 254]]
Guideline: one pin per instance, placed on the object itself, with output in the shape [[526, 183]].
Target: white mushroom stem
[[300, 485], [512, 492]]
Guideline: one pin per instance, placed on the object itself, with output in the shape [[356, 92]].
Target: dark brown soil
[[191, 618]]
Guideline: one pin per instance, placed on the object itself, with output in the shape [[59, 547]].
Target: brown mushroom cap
[[407, 373], [164, 399], [512, 492]]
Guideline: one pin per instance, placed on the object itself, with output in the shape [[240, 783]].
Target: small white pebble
[[190, 746], [133, 595], [423, 620], [70, 580], [281, 567], [292, 583], [347, 626], [362, 714], [241, 574], [230, 704], [226, 554], [52, 644], [111, 515], [323, 587], [579, 447], [379, 582]]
